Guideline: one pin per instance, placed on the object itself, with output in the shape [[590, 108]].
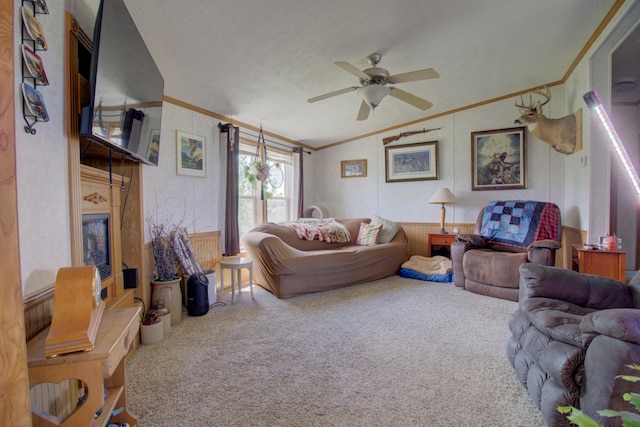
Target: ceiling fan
[[373, 85]]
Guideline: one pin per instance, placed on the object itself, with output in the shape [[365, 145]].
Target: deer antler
[[522, 106], [546, 95]]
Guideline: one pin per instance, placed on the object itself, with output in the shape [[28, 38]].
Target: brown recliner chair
[[507, 233]]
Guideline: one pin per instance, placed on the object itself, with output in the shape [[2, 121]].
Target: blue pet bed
[[412, 274]]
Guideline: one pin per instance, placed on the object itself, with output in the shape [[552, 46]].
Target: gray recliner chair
[[506, 234], [571, 336]]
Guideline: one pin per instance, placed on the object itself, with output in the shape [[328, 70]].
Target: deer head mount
[[564, 134]]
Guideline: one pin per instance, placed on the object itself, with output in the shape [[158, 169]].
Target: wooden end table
[[610, 264], [437, 241]]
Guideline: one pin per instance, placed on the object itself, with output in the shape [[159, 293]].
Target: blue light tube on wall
[[593, 102]]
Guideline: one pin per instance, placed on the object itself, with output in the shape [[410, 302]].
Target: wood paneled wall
[[14, 405], [208, 251], [38, 309], [417, 234]]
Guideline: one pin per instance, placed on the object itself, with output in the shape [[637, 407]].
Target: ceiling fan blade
[[413, 76], [353, 70], [410, 99], [363, 114], [330, 94]]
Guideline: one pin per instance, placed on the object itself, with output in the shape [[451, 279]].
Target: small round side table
[[236, 265]]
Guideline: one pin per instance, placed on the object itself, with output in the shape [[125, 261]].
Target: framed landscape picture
[[498, 159], [190, 154], [411, 162], [353, 168]]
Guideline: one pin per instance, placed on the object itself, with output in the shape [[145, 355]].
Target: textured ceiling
[[258, 62]]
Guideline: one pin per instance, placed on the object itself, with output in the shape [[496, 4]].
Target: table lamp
[[443, 196]]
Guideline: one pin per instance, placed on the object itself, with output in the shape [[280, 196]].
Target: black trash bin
[[197, 295]]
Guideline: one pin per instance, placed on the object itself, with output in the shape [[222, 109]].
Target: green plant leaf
[[577, 417], [633, 398], [630, 378]]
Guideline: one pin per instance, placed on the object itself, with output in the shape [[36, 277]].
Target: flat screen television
[[126, 87]]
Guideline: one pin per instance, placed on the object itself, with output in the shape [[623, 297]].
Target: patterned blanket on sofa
[[327, 230], [519, 223]]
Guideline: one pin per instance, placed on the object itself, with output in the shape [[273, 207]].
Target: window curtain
[[298, 189], [231, 152]]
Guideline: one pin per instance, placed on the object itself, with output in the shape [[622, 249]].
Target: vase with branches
[[164, 253]]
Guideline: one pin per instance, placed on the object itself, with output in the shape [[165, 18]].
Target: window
[[276, 207]]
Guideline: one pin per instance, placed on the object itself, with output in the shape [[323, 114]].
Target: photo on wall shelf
[[34, 65], [34, 28], [190, 154], [411, 162], [34, 102], [498, 159], [42, 4], [154, 146]]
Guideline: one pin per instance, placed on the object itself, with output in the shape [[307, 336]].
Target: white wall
[[189, 201], [42, 169], [42, 164], [408, 201]]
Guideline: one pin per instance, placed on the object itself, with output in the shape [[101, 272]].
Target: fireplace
[[96, 242]]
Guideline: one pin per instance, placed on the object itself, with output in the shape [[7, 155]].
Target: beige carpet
[[395, 352]]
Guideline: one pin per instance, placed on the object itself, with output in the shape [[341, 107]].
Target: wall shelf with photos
[[33, 41]]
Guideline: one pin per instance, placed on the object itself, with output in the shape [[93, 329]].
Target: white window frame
[[260, 207]]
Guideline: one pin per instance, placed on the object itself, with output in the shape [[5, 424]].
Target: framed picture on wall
[[411, 162], [190, 154], [154, 146], [498, 159], [353, 168]]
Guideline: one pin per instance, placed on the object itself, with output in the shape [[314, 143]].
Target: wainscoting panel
[[417, 234], [207, 248], [38, 310]]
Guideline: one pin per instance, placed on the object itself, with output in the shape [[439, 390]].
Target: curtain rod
[[220, 126]]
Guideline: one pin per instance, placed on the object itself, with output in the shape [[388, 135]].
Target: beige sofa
[[288, 266]]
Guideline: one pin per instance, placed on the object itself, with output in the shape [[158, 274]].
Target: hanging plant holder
[[262, 168], [262, 171]]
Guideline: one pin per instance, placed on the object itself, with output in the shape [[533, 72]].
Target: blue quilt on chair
[[519, 223]]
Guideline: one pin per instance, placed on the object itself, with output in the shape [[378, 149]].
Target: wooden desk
[[101, 368], [437, 241], [602, 263]]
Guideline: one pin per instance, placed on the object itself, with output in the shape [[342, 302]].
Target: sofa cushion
[[557, 319], [621, 323], [584, 290], [496, 268], [368, 234], [389, 229]]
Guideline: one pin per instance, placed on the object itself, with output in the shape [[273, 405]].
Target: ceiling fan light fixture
[[373, 94]]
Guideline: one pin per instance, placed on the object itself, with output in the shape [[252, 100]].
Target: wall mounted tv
[[126, 87]]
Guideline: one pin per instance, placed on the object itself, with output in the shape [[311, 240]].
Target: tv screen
[[125, 109]]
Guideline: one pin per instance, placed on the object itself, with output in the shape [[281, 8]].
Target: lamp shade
[[443, 195], [372, 94]]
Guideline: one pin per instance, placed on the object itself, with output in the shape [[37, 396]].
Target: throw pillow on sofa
[[389, 229], [368, 235]]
